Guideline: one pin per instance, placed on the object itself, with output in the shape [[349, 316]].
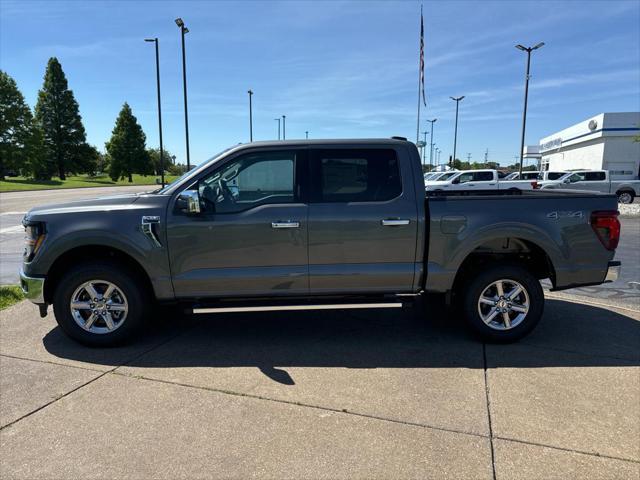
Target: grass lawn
[[21, 183], [9, 295]]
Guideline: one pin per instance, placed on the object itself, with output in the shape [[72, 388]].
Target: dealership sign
[[551, 144]]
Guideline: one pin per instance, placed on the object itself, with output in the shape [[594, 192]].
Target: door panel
[[350, 249], [251, 237]]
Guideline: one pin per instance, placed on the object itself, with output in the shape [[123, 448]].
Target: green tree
[[154, 154], [127, 147], [15, 127], [37, 165], [59, 118]]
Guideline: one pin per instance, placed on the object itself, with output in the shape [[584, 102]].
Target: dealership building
[[603, 142]]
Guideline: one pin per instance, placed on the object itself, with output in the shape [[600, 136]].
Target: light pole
[[184, 30], [424, 147], [250, 116], [432, 144], [526, 95], [155, 40], [278, 120], [284, 127], [455, 134], [306, 134]]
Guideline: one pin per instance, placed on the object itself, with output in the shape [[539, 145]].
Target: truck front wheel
[[100, 304], [503, 303]]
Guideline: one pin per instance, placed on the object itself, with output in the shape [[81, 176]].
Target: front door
[[362, 224], [250, 238]]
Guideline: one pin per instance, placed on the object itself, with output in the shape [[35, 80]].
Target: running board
[[278, 308]]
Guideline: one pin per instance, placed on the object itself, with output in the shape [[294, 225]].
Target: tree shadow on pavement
[[569, 335]]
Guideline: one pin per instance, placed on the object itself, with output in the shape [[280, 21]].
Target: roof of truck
[[326, 141]]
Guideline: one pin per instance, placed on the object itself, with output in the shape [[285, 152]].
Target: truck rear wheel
[[100, 304], [625, 197], [503, 303]]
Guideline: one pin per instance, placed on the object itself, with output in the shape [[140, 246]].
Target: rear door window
[[594, 176], [354, 175], [482, 176]]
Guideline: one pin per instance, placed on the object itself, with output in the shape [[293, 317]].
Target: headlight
[[34, 235]]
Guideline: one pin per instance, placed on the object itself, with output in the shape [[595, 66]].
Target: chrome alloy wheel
[[504, 304], [99, 306], [625, 197]]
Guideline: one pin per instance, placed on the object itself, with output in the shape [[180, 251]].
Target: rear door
[[362, 220], [589, 181]]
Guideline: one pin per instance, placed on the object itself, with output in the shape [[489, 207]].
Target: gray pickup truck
[[331, 224]]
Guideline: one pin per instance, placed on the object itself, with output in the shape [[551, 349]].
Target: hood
[[99, 204]]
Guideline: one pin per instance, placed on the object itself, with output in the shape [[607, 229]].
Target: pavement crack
[[570, 450], [48, 362], [111, 370], [42, 407], [488, 398], [301, 404]]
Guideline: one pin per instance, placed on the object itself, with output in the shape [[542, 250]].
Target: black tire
[[137, 299], [625, 197], [476, 286]]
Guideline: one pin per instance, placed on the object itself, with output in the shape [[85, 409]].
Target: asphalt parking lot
[[366, 394]]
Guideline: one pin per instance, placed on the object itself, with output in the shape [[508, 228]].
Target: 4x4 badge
[[567, 214]]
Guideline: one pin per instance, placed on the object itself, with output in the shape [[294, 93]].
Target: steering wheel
[[226, 192]]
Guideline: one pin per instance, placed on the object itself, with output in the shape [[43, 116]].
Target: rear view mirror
[[188, 202]]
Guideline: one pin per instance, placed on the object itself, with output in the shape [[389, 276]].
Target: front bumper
[[613, 272], [33, 288]]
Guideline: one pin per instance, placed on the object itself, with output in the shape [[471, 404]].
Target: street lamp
[[526, 95], [250, 116], [424, 147], [155, 40], [278, 120], [432, 144], [284, 127], [306, 133], [184, 30], [455, 134]]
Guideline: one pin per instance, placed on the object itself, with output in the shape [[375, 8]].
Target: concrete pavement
[[354, 394]]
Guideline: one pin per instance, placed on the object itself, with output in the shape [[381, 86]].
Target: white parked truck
[[476, 180], [596, 181], [535, 175]]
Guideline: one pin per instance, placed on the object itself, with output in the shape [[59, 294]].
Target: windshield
[[186, 174], [446, 176]]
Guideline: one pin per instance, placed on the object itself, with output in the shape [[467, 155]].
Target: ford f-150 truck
[[312, 224], [477, 180], [596, 181]]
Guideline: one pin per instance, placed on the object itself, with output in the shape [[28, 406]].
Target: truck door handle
[[394, 222], [287, 224]]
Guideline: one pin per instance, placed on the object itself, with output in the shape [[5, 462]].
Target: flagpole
[[420, 67]]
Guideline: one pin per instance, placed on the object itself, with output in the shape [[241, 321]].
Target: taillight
[[535, 185], [607, 227]]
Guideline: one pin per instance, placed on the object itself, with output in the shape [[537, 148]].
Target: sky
[[337, 69]]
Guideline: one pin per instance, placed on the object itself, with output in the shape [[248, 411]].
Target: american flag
[[424, 98]]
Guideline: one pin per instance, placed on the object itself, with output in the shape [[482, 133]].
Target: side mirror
[[188, 202], [456, 180], [567, 180]]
